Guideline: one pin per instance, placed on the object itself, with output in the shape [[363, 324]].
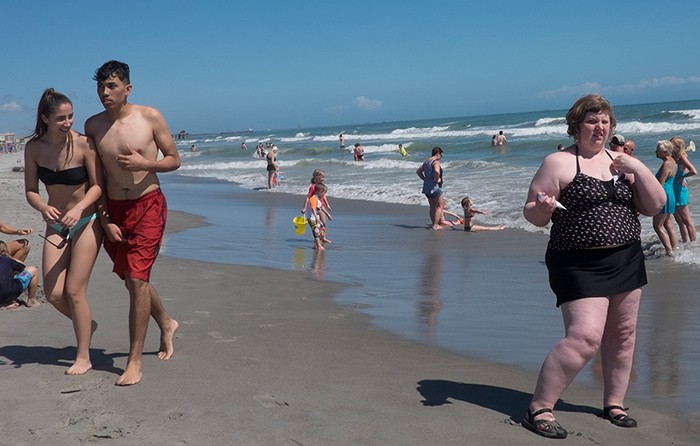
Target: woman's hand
[[545, 203], [51, 214], [71, 218]]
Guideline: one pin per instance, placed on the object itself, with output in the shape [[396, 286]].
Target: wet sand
[[267, 357]]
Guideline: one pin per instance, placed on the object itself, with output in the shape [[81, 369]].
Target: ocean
[[454, 291], [496, 178]]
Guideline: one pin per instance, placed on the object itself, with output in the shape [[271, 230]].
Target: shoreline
[[483, 295], [266, 356]]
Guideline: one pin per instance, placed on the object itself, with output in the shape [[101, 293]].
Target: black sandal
[[622, 420], [545, 428]]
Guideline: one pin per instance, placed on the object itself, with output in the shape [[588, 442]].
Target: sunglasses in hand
[[65, 235]]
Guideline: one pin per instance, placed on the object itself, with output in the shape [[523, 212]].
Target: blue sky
[[216, 66]]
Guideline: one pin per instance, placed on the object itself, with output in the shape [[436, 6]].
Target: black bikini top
[[69, 177]]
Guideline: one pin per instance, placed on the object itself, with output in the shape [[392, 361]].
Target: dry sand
[[264, 357]]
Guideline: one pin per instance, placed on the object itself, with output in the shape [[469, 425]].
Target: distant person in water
[[402, 151], [501, 139], [494, 138], [193, 148], [243, 146], [561, 147], [358, 152], [272, 166], [341, 141], [260, 151], [629, 147]]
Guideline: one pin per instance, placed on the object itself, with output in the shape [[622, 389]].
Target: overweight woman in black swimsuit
[[594, 257], [67, 164]]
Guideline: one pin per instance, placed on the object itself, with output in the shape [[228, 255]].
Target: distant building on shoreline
[[9, 143], [8, 138]]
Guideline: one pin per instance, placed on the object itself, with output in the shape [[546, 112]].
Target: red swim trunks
[[142, 222]]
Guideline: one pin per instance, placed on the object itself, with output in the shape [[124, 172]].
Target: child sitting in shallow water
[[469, 213]]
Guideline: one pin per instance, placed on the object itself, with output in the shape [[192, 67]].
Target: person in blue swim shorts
[[431, 174], [15, 278]]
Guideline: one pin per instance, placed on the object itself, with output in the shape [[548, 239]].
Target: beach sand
[[265, 357]]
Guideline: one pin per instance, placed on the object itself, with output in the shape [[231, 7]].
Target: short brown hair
[[590, 103]]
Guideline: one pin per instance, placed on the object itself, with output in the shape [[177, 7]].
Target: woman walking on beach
[[594, 257], [680, 190], [66, 162], [431, 174], [662, 222]]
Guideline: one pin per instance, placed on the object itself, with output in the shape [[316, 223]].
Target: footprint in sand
[[201, 314], [271, 325], [270, 401], [219, 338]]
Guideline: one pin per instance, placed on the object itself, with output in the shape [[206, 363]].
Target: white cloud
[[367, 103], [656, 82], [10, 107], [568, 91]]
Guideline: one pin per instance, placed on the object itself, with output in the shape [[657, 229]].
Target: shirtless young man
[[128, 138]]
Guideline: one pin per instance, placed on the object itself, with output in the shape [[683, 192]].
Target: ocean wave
[[693, 114], [663, 128], [419, 130], [298, 138], [550, 121]]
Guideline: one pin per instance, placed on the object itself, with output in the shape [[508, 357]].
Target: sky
[[220, 66]]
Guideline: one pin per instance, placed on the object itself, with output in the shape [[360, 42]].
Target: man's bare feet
[[325, 240], [166, 340], [32, 303], [132, 375], [79, 368]]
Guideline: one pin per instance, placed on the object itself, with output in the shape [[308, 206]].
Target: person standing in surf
[[431, 174]]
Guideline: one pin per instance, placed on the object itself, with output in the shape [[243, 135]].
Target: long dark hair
[[48, 104]]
